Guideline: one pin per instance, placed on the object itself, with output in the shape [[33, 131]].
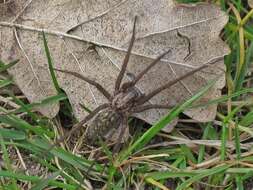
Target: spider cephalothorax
[[125, 101]]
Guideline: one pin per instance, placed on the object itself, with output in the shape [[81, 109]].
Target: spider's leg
[[139, 109], [90, 81], [171, 83], [123, 128], [78, 125], [140, 75], [125, 62]]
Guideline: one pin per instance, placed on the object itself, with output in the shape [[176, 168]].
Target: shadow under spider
[[124, 102]]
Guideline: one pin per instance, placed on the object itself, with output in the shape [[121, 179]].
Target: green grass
[[213, 155]]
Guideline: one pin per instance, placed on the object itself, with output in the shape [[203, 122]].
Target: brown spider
[[125, 101]]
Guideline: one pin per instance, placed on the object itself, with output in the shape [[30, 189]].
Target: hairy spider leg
[[88, 80], [126, 60], [78, 125], [123, 127], [171, 83], [140, 75], [139, 109]]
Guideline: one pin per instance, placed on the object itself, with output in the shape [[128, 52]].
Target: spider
[[125, 101]]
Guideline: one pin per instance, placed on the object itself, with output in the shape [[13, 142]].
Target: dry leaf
[[91, 37], [250, 3]]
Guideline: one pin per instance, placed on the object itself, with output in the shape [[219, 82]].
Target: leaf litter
[[92, 37]]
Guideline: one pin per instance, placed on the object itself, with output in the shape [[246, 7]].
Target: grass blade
[[46, 101], [12, 134], [4, 67], [50, 64], [45, 182], [198, 177], [35, 179], [4, 83], [7, 163]]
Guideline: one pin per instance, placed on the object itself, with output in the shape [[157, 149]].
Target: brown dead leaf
[[250, 3], [91, 37]]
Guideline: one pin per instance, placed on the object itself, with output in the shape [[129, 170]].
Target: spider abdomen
[[101, 125]]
